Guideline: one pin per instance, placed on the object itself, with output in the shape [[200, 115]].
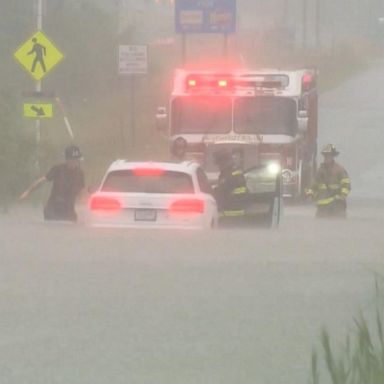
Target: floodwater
[[82, 305]]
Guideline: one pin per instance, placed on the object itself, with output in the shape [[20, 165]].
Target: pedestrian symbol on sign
[[40, 51], [38, 55]]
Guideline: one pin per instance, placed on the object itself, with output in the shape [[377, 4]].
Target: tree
[[16, 149]]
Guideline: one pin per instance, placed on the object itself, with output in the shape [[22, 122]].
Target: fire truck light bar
[[228, 82], [210, 82], [307, 82]]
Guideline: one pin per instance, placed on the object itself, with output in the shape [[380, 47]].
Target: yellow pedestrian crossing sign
[[38, 110], [38, 55]]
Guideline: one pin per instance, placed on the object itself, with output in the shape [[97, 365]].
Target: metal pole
[[184, 48], [39, 25], [225, 47], [66, 120], [285, 12], [304, 23], [317, 24], [133, 112]]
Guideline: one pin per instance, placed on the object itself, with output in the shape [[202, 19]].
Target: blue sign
[[205, 16]]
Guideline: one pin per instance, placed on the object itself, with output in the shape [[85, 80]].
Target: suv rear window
[[167, 182]]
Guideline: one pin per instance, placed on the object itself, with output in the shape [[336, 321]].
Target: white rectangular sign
[[133, 59]]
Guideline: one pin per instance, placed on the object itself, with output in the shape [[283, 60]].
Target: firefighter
[[331, 187], [179, 150], [231, 191]]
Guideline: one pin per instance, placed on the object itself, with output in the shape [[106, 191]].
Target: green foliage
[[16, 147], [85, 79], [97, 101], [16, 151], [361, 360]]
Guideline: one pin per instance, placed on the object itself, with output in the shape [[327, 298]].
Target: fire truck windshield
[[201, 114], [265, 115]]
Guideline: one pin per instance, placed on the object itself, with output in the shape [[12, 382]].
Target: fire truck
[[267, 114]]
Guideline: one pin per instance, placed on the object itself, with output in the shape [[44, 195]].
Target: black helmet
[[179, 147], [330, 149], [223, 158], [73, 152]]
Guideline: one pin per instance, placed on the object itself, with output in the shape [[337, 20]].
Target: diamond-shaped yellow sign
[[38, 55]]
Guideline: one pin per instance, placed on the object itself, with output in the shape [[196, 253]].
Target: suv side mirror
[[161, 118]]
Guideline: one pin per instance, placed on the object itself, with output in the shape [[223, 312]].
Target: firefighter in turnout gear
[[331, 187], [231, 191]]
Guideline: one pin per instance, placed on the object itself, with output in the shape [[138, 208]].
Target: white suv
[[153, 195]]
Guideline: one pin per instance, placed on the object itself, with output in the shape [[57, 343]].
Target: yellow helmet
[[330, 149]]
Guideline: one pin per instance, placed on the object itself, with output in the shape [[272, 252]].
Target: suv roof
[[185, 166]]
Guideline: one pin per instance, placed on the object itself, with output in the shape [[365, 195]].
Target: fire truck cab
[[271, 109]]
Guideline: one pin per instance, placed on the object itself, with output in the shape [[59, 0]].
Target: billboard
[[205, 16]]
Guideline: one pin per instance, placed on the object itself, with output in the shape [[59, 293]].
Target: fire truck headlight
[[274, 168]]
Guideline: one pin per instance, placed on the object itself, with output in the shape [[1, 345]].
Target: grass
[[361, 358]]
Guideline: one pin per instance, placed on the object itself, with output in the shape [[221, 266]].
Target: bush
[[361, 360], [16, 151]]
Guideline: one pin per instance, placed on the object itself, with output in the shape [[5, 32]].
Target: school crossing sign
[[38, 55]]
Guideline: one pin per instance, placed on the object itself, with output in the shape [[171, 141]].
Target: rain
[[230, 305]]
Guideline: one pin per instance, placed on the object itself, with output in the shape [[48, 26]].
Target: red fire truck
[[271, 113]]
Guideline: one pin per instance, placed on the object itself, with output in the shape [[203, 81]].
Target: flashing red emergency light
[[208, 82], [229, 82], [307, 81]]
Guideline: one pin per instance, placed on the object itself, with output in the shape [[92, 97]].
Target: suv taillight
[[104, 203], [187, 206]]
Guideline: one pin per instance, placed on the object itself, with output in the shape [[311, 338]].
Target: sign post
[[38, 56], [133, 60]]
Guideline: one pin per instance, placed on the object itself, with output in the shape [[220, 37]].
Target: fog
[[81, 305], [339, 38]]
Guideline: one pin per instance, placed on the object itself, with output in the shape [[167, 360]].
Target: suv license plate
[[145, 215]]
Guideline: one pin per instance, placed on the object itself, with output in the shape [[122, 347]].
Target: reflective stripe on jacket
[[240, 212], [331, 183], [231, 192]]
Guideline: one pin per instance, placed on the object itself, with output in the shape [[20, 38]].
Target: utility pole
[[285, 12], [38, 87], [304, 23], [317, 24], [225, 46], [184, 48], [39, 25]]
